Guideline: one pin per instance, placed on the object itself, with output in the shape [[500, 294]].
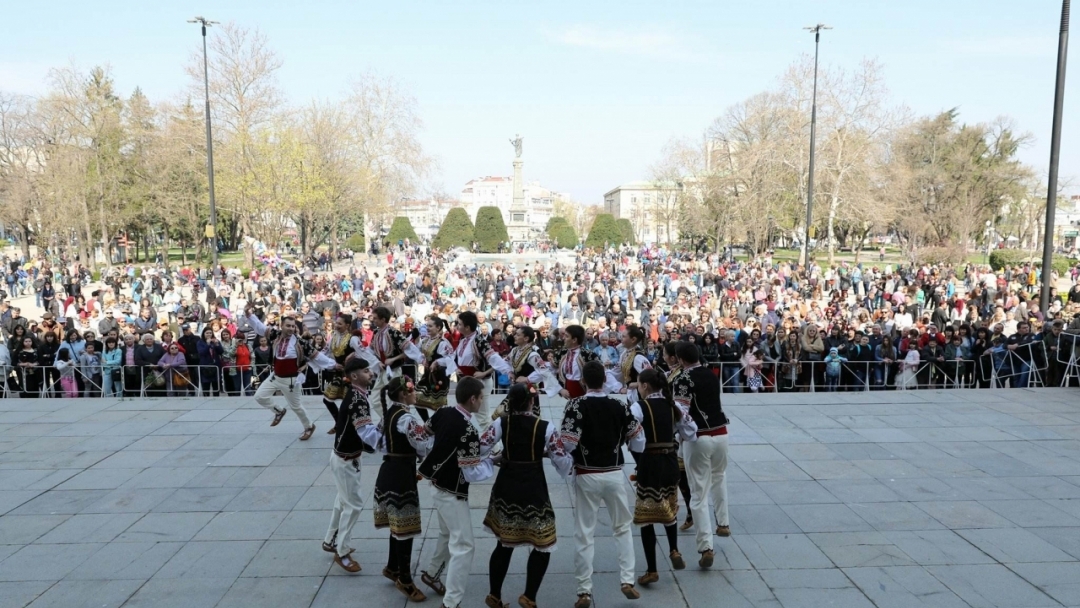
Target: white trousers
[[591, 490], [348, 503], [454, 548], [290, 388], [706, 463]]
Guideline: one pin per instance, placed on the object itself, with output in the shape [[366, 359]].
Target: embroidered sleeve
[[361, 407], [445, 349], [636, 412], [497, 362], [557, 452], [417, 433], [412, 351], [537, 376], [571, 424], [686, 426], [490, 437], [641, 363]]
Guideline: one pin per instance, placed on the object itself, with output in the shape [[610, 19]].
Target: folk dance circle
[[660, 417]]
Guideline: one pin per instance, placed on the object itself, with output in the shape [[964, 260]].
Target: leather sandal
[[584, 600], [329, 547], [410, 591], [677, 561], [629, 592], [390, 574], [308, 432], [493, 602], [648, 578], [436, 585], [347, 563], [332, 431], [689, 523], [525, 602], [278, 415]]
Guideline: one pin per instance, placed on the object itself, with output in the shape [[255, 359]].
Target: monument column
[[518, 226]]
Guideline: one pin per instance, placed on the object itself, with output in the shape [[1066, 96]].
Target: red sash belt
[[575, 388], [286, 368], [713, 433], [465, 370]]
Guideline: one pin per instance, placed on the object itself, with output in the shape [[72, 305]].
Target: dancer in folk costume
[[658, 469], [572, 361], [355, 435], [594, 429], [698, 390], [453, 462], [389, 347], [632, 363], [432, 388], [292, 358], [528, 367], [397, 503], [340, 347], [519, 512], [674, 369], [474, 358]]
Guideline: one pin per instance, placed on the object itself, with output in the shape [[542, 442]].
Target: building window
[[647, 199], [633, 200]]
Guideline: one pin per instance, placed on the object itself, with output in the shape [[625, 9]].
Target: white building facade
[[523, 224], [651, 207]]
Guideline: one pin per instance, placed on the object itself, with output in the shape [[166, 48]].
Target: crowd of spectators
[[764, 324]]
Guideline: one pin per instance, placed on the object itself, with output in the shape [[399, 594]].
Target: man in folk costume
[[572, 361], [355, 435], [632, 363], [341, 346], [473, 357], [594, 429], [389, 347], [291, 361], [697, 389], [452, 464]]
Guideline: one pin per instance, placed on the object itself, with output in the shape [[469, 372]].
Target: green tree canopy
[[490, 229], [400, 230], [455, 231], [604, 231], [356, 242], [626, 229], [561, 232]]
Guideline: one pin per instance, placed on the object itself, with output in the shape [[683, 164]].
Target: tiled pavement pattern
[[905, 499]]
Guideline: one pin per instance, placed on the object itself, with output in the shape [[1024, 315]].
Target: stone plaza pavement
[[899, 499]]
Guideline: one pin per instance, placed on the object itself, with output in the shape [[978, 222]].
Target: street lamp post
[[212, 231], [1055, 148], [816, 29]]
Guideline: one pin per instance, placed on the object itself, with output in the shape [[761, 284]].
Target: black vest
[[701, 387], [524, 439], [396, 441], [658, 422], [354, 409], [600, 424], [455, 438]]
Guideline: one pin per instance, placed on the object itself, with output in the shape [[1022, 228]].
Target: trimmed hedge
[[627, 231], [400, 230], [604, 232], [561, 232], [490, 231], [356, 242], [1009, 258], [455, 231]]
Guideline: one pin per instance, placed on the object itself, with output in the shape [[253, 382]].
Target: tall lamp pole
[[816, 29], [1055, 148], [211, 232]]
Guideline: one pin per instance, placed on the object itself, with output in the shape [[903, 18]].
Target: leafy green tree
[[553, 222], [490, 229], [626, 229], [604, 231], [561, 232], [455, 231], [356, 242], [400, 230]]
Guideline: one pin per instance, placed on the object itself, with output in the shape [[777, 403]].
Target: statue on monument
[[517, 145]]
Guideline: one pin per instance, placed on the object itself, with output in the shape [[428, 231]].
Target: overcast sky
[[595, 88]]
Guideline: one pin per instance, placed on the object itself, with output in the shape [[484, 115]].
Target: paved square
[[897, 499]]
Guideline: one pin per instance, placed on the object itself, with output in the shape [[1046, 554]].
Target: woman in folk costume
[[658, 468], [341, 347], [675, 367], [519, 512], [433, 387], [528, 367], [397, 503], [632, 363]]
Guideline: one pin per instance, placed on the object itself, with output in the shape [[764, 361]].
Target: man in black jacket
[[729, 354]]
